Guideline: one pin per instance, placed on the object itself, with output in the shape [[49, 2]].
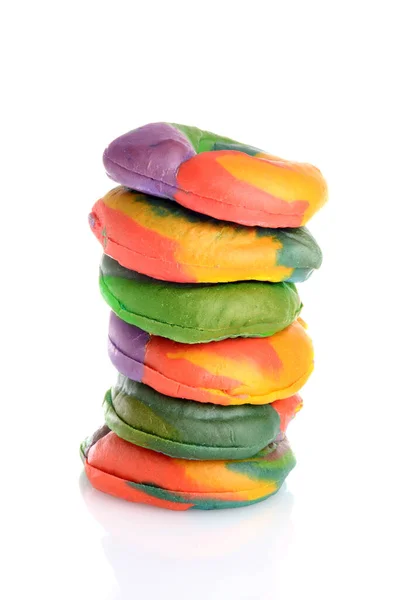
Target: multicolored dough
[[166, 241], [230, 372], [216, 176], [122, 469], [186, 429], [194, 313]]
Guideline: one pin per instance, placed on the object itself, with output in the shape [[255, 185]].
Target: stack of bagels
[[203, 241]]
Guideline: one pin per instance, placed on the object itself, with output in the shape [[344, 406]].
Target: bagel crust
[[193, 430], [216, 176], [166, 241], [228, 372], [196, 313], [125, 470]]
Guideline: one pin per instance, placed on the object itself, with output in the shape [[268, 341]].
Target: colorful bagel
[[194, 313], [215, 175], [231, 371], [117, 467], [166, 241], [186, 429]]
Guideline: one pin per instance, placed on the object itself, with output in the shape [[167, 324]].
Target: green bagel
[[188, 429], [195, 313]]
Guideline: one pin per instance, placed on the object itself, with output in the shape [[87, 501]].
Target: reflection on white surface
[[147, 548]]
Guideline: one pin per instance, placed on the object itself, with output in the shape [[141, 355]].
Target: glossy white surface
[[313, 81]]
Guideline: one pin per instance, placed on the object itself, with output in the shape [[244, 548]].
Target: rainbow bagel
[[194, 313], [230, 372], [117, 467], [186, 429], [215, 175], [166, 241]]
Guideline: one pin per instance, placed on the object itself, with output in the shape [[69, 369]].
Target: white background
[[314, 81]]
